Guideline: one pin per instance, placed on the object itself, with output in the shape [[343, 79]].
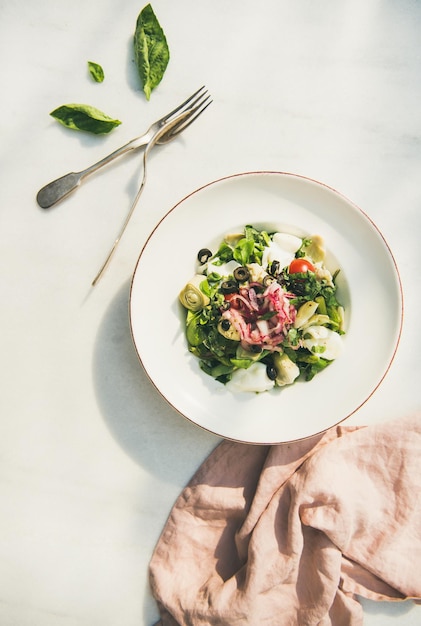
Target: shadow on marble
[[142, 422], [132, 74]]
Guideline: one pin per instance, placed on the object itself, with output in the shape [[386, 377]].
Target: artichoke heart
[[233, 238], [305, 311], [229, 332], [316, 320], [257, 272], [287, 370], [316, 249], [192, 297]]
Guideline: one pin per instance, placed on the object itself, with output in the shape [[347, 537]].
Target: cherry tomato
[[300, 266]]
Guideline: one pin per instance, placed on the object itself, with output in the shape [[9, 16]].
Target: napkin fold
[[291, 534]]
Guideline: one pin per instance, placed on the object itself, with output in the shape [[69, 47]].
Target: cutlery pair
[[162, 131]]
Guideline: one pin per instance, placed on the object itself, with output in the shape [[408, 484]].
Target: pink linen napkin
[[289, 535]]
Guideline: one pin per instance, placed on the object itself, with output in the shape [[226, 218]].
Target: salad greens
[[96, 71], [261, 303], [84, 117], [151, 50]]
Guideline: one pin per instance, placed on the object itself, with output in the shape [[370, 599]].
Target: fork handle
[[58, 189], [61, 187], [130, 213]]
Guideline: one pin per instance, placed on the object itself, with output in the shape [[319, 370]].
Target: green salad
[[262, 310]]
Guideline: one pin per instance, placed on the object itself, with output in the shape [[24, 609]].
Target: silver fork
[[161, 132]]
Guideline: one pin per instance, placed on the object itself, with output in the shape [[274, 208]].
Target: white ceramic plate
[[368, 287]]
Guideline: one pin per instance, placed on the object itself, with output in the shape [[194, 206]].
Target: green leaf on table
[[150, 50], [84, 117], [96, 71]]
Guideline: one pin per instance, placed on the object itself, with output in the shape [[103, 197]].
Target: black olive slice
[[271, 372], [241, 274], [268, 280], [229, 286], [204, 255]]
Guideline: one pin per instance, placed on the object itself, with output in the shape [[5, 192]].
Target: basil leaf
[[224, 254], [150, 50], [84, 117], [194, 332], [96, 71], [243, 251]]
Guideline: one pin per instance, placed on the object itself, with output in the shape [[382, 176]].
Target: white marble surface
[[91, 457]]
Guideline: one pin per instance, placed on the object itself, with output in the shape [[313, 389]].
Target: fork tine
[[200, 98], [182, 105], [189, 119]]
